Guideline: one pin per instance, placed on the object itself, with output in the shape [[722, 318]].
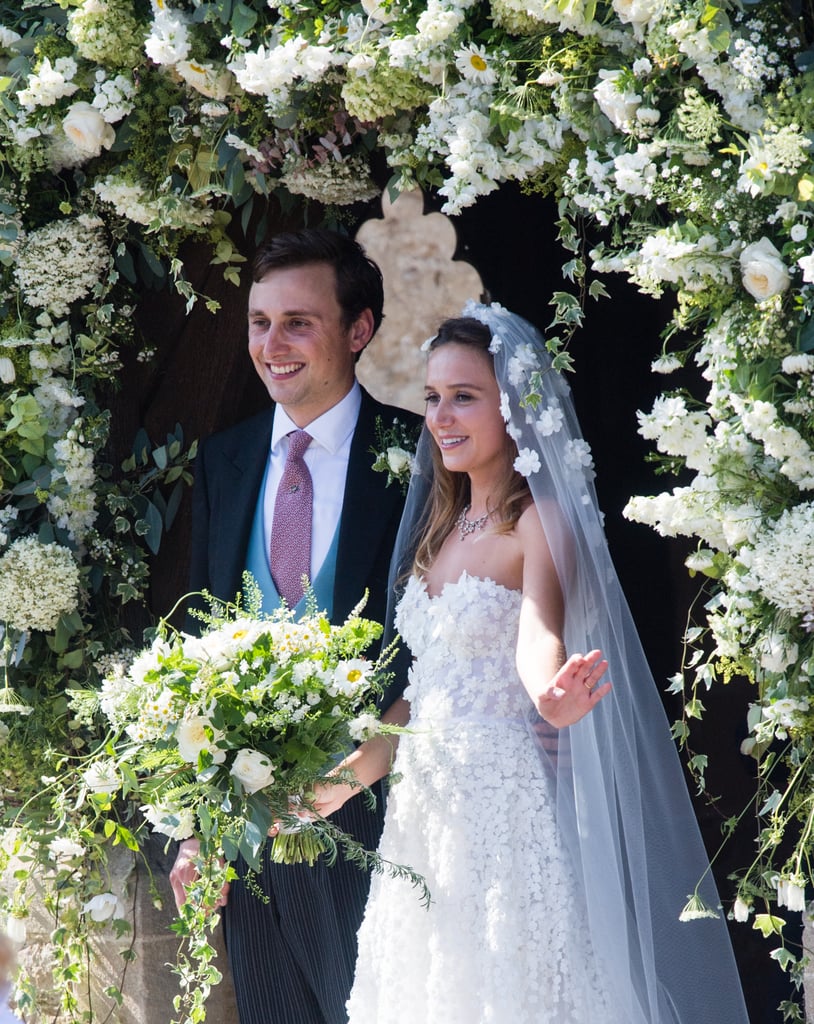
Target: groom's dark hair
[[358, 279]]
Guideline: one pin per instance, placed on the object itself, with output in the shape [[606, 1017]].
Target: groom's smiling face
[[298, 341]]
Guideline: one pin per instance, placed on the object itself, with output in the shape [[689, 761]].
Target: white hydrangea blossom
[[38, 584], [788, 541], [61, 262]]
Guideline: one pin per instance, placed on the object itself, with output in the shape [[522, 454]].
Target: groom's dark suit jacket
[[228, 476], [292, 957]]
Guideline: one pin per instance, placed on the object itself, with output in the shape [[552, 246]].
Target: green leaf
[[768, 925], [155, 527], [243, 19], [152, 261], [72, 659]]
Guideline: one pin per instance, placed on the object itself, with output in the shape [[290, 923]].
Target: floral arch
[[675, 137]]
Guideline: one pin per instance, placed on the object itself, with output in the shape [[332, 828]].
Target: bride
[[546, 810]]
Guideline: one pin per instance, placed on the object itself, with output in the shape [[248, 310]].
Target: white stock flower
[[104, 907], [252, 769], [51, 82], [776, 652], [786, 713], [87, 129], [763, 272], [619, 107], [192, 739], [168, 41], [527, 462]]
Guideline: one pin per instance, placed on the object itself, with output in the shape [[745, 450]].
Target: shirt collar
[[330, 430]]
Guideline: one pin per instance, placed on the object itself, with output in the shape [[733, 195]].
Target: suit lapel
[[241, 471], [367, 511]]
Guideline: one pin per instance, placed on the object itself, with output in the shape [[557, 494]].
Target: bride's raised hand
[[574, 690]]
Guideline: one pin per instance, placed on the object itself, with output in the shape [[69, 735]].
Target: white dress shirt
[[327, 460]]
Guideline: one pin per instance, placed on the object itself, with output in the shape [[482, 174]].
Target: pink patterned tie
[[290, 554]]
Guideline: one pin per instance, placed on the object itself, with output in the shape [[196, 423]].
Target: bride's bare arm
[[562, 690], [371, 761]]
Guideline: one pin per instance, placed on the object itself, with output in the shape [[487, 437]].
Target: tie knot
[[298, 441]]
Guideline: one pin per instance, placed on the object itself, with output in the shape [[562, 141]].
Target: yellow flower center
[[354, 675], [239, 633], [477, 62]]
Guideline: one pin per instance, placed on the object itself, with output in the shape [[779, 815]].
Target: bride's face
[[463, 410]]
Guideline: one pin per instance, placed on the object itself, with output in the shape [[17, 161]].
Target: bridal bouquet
[[224, 735]]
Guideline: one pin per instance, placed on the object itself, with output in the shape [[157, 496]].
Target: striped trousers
[[292, 948]]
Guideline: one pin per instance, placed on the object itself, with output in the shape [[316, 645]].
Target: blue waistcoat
[[257, 564]]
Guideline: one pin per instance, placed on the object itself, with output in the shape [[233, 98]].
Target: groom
[[315, 303]]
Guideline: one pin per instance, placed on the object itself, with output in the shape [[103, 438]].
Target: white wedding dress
[[504, 940]]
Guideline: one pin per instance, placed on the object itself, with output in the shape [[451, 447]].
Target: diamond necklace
[[467, 526]]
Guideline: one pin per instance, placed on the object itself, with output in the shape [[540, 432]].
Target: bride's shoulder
[[531, 533]]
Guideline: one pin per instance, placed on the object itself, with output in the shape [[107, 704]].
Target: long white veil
[[623, 807]]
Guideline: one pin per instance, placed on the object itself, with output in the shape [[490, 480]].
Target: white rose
[[373, 9], [763, 272], [87, 129], [361, 62], [253, 770], [619, 107], [104, 906], [398, 460], [175, 822], [636, 12], [103, 777], [62, 849], [192, 739]]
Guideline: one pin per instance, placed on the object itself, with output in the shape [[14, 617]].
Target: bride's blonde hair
[[449, 495]]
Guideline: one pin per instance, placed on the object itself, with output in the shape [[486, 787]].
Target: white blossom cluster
[[72, 501], [38, 584], [332, 181], [135, 202], [782, 561], [61, 262]]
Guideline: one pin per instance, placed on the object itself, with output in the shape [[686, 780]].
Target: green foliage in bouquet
[[219, 737]]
